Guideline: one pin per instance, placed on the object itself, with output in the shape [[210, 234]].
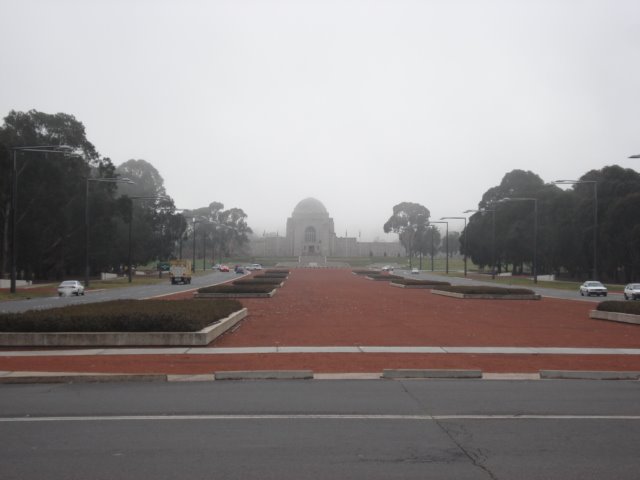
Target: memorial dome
[[310, 207]]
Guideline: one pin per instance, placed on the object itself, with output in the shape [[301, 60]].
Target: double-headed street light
[[86, 217], [465, 238], [595, 218], [535, 229], [447, 246], [63, 149]]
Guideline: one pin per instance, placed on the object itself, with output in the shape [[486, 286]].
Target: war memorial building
[[310, 232]]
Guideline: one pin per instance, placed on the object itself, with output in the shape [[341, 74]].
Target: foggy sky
[[361, 104]]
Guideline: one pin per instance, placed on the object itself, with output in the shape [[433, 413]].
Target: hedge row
[[482, 290], [385, 276], [258, 281], [360, 271], [619, 306], [254, 288], [122, 316], [277, 270], [411, 281], [281, 275]]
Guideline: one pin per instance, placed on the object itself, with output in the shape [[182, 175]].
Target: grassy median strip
[[122, 316]]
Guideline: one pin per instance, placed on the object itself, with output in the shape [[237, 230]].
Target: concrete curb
[[265, 375], [615, 317], [410, 373], [44, 377], [585, 375]]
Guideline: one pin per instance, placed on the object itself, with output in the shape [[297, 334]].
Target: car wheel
[[581, 293], [625, 297], [82, 293], [604, 294]]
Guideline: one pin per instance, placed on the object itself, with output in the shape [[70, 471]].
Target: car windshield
[[594, 284], [67, 284], [635, 286]]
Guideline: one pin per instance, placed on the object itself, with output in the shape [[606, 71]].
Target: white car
[[415, 270], [387, 268], [70, 287], [632, 291], [593, 287], [254, 266]]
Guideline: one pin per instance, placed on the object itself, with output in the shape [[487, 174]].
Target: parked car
[[224, 268], [70, 287], [415, 270], [632, 291], [593, 287]]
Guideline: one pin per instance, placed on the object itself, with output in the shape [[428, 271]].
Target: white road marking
[[126, 418]]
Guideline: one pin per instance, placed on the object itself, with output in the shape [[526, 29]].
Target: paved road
[[321, 429], [545, 292], [135, 292]]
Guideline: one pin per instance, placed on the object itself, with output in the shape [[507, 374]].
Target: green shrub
[[411, 281], [255, 288], [122, 316], [277, 270], [486, 290], [258, 281], [360, 271], [619, 306], [385, 276], [280, 275]]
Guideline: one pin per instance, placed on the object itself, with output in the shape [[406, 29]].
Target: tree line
[[591, 228], [56, 189]]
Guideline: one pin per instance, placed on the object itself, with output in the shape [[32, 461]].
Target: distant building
[[310, 232]]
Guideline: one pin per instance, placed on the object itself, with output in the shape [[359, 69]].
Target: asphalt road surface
[[322, 429], [133, 292]]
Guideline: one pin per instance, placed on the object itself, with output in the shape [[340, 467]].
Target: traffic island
[[237, 291], [486, 293]]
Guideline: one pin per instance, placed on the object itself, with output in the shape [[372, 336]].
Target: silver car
[[632, 291], [70, 287], [593, 287]]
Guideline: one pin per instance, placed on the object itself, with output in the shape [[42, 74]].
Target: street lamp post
[[446, 246], [193, 265], [86, 217], [465, 238], [432, 228], [64, 149], [595, 218], [535, 229]]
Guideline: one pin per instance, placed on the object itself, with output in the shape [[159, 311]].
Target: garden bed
[[122, 323], [384, 277], [486, 292], [617, 311], [237, 291], [273, 282], [360, 271], [411, 283]]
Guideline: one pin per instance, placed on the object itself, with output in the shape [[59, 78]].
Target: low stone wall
[[487, 296], [615, 317], [123, 339]]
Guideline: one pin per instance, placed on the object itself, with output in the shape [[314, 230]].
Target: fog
[[360, 104]]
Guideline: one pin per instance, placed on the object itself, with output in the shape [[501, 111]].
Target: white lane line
[[127, 418]]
